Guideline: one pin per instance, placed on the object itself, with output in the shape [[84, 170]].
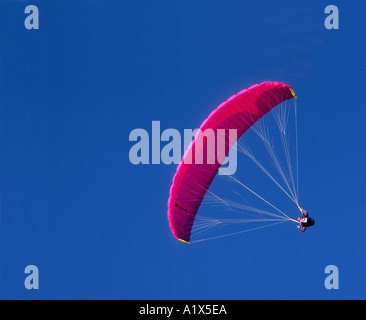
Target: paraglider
[[305, 221], [192, 179]]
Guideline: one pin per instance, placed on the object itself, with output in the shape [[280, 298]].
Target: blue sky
[[94, 224]]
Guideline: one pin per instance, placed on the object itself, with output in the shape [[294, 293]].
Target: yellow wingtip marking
[[183, 241], [293, 93]]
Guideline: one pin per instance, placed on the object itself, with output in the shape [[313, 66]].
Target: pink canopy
[[192, 179]]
